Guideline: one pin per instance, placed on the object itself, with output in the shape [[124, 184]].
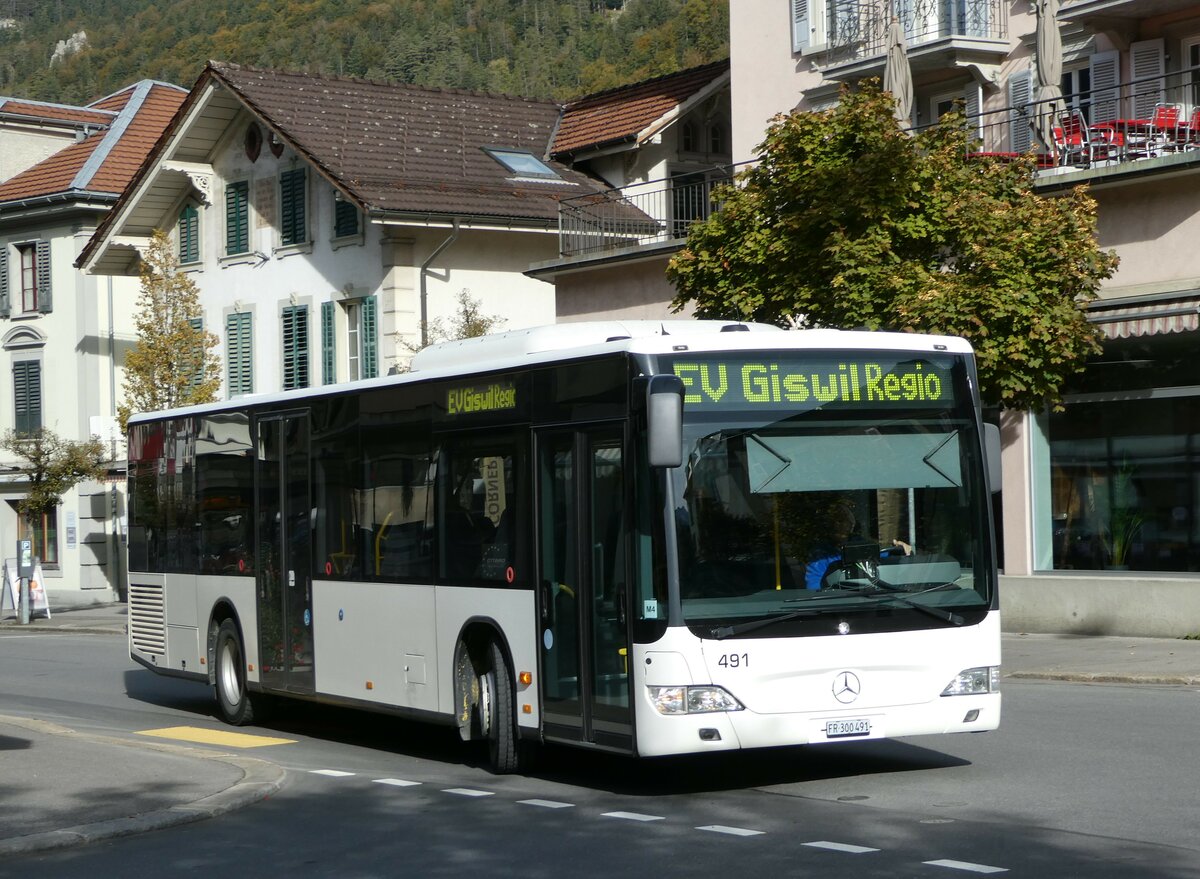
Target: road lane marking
[[841, 847], [223, 738], [632, 816], [397, 782], [332, 773], [967, 865], [731, 831], [467, 792], [547, 804]]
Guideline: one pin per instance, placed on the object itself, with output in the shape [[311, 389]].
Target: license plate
[[856, 726]]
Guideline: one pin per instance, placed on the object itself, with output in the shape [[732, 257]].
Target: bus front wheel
[[233, 699]]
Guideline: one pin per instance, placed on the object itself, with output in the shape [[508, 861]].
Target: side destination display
[[868, 381]]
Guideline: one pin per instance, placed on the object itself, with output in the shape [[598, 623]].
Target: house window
[[1077, 90], [32, 281], [292, 228], [43, 533], [295, 347], [716, 138], [197, 324], [27, 396], [362, 345], [687, 137], [239, 350], [345, 219], [189, 235], [328, 344], [237, 217]]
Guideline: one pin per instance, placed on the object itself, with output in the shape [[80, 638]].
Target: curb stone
[[260, 780]]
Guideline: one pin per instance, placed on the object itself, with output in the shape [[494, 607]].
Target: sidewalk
[[64, 787]]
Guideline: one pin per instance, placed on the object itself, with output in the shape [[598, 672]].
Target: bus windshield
[[830, 484]]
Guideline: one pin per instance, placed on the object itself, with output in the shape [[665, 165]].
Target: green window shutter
[[345, 219], [328, 343], [295, 347], [370, 343], [239, 353], [237, 217], [189, 235], [27, 396], [197, 324], [292, 229], [45, 302], [5, 307]]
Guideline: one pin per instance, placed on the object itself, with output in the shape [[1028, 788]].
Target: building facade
[[1101, 502], [63, 335]]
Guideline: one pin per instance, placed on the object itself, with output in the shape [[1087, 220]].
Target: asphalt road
[[1081, 780]]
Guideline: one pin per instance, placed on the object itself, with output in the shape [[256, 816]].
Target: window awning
[[1132, 320]]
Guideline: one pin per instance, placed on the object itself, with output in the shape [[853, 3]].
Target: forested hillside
[[539, 48]]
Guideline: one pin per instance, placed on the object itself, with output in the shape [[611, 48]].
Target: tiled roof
[[106, 161], [621, 113], [405, 149], [42, 112]]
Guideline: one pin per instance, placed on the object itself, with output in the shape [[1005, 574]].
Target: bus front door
[[284, 567], [583, 573]]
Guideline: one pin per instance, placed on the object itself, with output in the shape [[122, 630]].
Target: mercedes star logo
[[846, 687]]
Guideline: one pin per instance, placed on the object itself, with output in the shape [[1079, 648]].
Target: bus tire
[[234, 701], [497, 713]]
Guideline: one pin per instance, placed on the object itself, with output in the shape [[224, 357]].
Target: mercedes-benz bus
[[650, 538]]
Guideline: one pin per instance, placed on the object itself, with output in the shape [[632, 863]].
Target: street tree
[[173, 362], [848, 221], [51, 466]]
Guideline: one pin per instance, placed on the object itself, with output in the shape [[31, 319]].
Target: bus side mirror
[[664, 420], [991, 451]]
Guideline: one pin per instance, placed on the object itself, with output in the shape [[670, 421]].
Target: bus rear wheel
[[233, 699], [497, 713]]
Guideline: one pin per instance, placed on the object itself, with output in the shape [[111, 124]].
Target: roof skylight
[[522, 162]]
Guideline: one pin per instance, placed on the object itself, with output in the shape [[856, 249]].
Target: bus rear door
[[284, 548]]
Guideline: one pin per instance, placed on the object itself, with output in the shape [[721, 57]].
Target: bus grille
[[147, 618]]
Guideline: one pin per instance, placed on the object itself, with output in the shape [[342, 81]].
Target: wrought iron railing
[[1145, 118], [857, 29], [656, 212]]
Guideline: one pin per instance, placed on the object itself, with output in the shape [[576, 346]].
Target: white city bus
[[651, 538]]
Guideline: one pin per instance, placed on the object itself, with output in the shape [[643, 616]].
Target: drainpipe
[[114, 512], [425, 293]]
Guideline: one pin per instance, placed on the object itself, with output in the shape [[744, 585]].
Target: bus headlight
[[974, 682], [692, 700]]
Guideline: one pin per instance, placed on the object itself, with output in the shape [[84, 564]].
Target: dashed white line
[[731, 831], [967, 865], [632, 816], [467, 792], [547, 804], [396, 782], [841, 847], [331, 773]]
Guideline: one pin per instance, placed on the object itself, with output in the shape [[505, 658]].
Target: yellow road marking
[[215, 737]]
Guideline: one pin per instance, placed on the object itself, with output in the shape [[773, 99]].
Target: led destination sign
[[495, 397], [866, 382]]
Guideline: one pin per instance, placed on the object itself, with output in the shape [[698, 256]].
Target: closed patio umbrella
[[897, 74], [1049, 69]]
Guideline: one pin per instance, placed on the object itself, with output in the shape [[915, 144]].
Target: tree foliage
[[847, 221], [174, 362], [53, 466], [535, 48]]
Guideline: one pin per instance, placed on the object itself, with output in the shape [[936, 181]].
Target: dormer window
[[522, 163]]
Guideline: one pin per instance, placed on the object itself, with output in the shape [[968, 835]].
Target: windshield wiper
[[883, 593], [722, 632]]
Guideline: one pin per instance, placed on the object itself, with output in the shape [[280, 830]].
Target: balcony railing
[[858, 28], [1150, 118], [656, 212]]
